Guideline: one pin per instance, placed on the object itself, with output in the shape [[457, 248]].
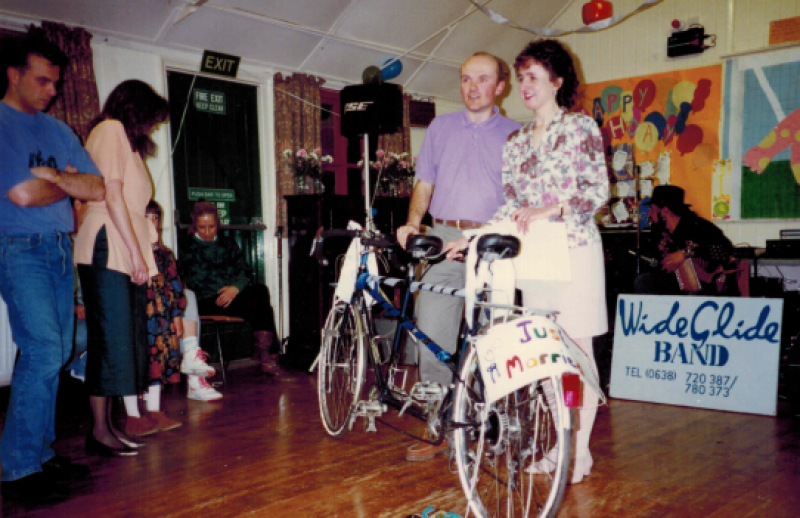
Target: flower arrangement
[[306, 165], [394, 171]]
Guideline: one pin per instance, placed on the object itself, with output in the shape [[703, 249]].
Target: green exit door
[[216, 157]]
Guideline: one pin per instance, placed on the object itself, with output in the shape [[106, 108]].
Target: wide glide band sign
[[706, 352]]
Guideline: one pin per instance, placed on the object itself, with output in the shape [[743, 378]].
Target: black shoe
[[35, 488], [61, 468], [97, 447]]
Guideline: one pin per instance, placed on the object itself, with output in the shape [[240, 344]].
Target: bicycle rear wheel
[[342, 367], [495, 447]]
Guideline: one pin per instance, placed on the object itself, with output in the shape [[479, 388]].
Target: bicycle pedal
[[368, 410], [428, 391]]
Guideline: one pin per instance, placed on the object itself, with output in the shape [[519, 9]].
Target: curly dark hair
[[16, 51], [552, 55], [139, 108], [202, 208]]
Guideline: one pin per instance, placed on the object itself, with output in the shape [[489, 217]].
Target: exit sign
[[209, 102], [220, 64]]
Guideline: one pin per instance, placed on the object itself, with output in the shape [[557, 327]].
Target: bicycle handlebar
[[367, 239]]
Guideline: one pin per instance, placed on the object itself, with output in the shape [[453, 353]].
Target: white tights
[[586, 417], [153, 398]]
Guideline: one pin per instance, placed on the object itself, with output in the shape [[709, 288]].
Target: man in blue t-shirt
[[42, 164]]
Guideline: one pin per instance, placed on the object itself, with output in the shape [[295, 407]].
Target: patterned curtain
[[78, 103], [297, 126], [399, 142]]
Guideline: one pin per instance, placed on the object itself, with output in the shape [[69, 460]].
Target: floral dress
[[568, 167], [165, 301]]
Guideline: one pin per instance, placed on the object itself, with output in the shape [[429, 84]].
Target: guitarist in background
[[680, 240]]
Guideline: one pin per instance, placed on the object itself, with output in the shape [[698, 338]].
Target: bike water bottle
[[571, 383]]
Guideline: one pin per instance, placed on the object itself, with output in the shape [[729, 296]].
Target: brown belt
[[460, 224]]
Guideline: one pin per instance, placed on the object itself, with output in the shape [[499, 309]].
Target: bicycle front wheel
[[500, 448], [342, 367]]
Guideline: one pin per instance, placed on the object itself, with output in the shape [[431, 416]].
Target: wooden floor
[[262, 452]]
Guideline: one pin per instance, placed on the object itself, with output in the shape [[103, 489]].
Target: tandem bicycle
[[507, 406]]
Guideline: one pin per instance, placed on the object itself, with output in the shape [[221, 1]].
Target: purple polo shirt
[[463, 161]]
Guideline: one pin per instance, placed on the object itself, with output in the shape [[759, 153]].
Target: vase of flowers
[[394, 173], [307, 168]]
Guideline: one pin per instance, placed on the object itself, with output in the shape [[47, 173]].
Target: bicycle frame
[[370, 284]]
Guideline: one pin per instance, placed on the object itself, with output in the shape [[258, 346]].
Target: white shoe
[[203, 392], [194, 363], [546, 465]]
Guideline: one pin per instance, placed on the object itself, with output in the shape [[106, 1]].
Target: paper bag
[[543, 263]]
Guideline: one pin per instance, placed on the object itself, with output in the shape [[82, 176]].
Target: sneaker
[[139, 426], [163, 422], [194, 363], [204, 392]]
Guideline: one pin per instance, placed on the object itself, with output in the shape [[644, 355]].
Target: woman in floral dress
[[554, 168]]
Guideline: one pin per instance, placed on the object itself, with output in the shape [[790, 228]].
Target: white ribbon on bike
[[501, 276], [517, 353], [346, 284]]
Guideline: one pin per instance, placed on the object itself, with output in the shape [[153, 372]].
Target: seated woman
[[214, 267]]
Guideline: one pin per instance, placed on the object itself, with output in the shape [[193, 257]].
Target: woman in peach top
[[115, 259]]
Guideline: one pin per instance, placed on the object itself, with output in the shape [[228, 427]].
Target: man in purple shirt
[[459, 181]]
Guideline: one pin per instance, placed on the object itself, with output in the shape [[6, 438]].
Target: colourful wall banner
[[771, 142], [672, 118]]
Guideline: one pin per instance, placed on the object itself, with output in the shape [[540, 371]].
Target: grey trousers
[[439, 316]]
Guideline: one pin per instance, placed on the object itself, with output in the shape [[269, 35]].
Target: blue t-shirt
[[28, 141]]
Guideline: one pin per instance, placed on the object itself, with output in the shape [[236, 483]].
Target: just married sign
[[706, 352]]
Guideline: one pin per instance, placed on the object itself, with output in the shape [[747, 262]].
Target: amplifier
[[782, 249]]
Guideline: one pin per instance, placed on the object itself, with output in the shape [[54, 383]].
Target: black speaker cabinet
[[376, 109]]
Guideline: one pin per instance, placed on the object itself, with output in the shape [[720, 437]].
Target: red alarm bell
[[597, 10]]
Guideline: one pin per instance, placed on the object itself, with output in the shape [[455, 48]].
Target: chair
[[216, 322]]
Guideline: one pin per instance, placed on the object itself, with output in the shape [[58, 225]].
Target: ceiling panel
[[242, 36], [335, 39], [401, 24], [139, 18], [307, 13]]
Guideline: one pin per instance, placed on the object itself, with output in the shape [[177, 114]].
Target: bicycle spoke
[[496, 457]]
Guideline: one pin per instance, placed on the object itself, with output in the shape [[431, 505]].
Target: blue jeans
[[36, 281]]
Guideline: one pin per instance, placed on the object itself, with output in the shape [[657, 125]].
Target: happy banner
[[673, 120]]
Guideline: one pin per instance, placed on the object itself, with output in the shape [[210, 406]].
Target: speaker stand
[[369, 221]]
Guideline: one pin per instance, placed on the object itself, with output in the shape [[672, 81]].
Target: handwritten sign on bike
[[520, 352], [705, 352]]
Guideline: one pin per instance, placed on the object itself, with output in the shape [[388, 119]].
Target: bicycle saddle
[[497, 246], [423, 247]]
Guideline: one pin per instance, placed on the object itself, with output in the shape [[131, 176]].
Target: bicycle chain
[[420, 439]]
